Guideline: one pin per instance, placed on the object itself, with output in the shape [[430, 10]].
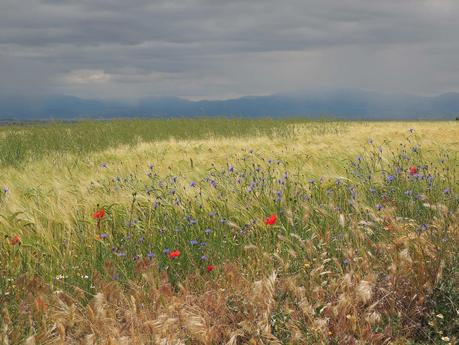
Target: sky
[[219, 49]]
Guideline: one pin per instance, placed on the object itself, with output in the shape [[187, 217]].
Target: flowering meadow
[[296, 233]]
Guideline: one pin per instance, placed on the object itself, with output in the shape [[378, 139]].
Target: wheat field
[[220, 231]]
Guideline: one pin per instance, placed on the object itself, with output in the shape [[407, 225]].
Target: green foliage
[[20, 143], [218, 219]]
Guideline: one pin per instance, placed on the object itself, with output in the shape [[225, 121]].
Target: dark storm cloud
[[205, 48]]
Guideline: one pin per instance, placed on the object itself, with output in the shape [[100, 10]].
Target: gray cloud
[[218, 49]]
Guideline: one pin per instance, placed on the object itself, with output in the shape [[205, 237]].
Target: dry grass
[[324, 276], [316, 306]]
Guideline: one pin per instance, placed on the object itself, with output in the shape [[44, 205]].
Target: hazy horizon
[[199, 49]]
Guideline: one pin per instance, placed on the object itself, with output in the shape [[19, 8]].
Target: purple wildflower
[[279, 195], [390, 178]]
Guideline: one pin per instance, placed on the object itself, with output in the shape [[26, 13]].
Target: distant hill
[[338, 104]]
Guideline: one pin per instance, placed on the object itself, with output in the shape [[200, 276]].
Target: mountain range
[[343, 104]]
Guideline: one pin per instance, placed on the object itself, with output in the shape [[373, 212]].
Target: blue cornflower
[[194, 242], [151, 255], [208, 231], [204, 258], [104, 235], [379, 207], [279, 195], [390, 178], [166, 251], [192, 184]]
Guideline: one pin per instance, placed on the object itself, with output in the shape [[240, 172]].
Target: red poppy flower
[[174, 254], [271, 220], [210, 268], [40, 304], [99, 214], [413, 170], [15, 240]]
